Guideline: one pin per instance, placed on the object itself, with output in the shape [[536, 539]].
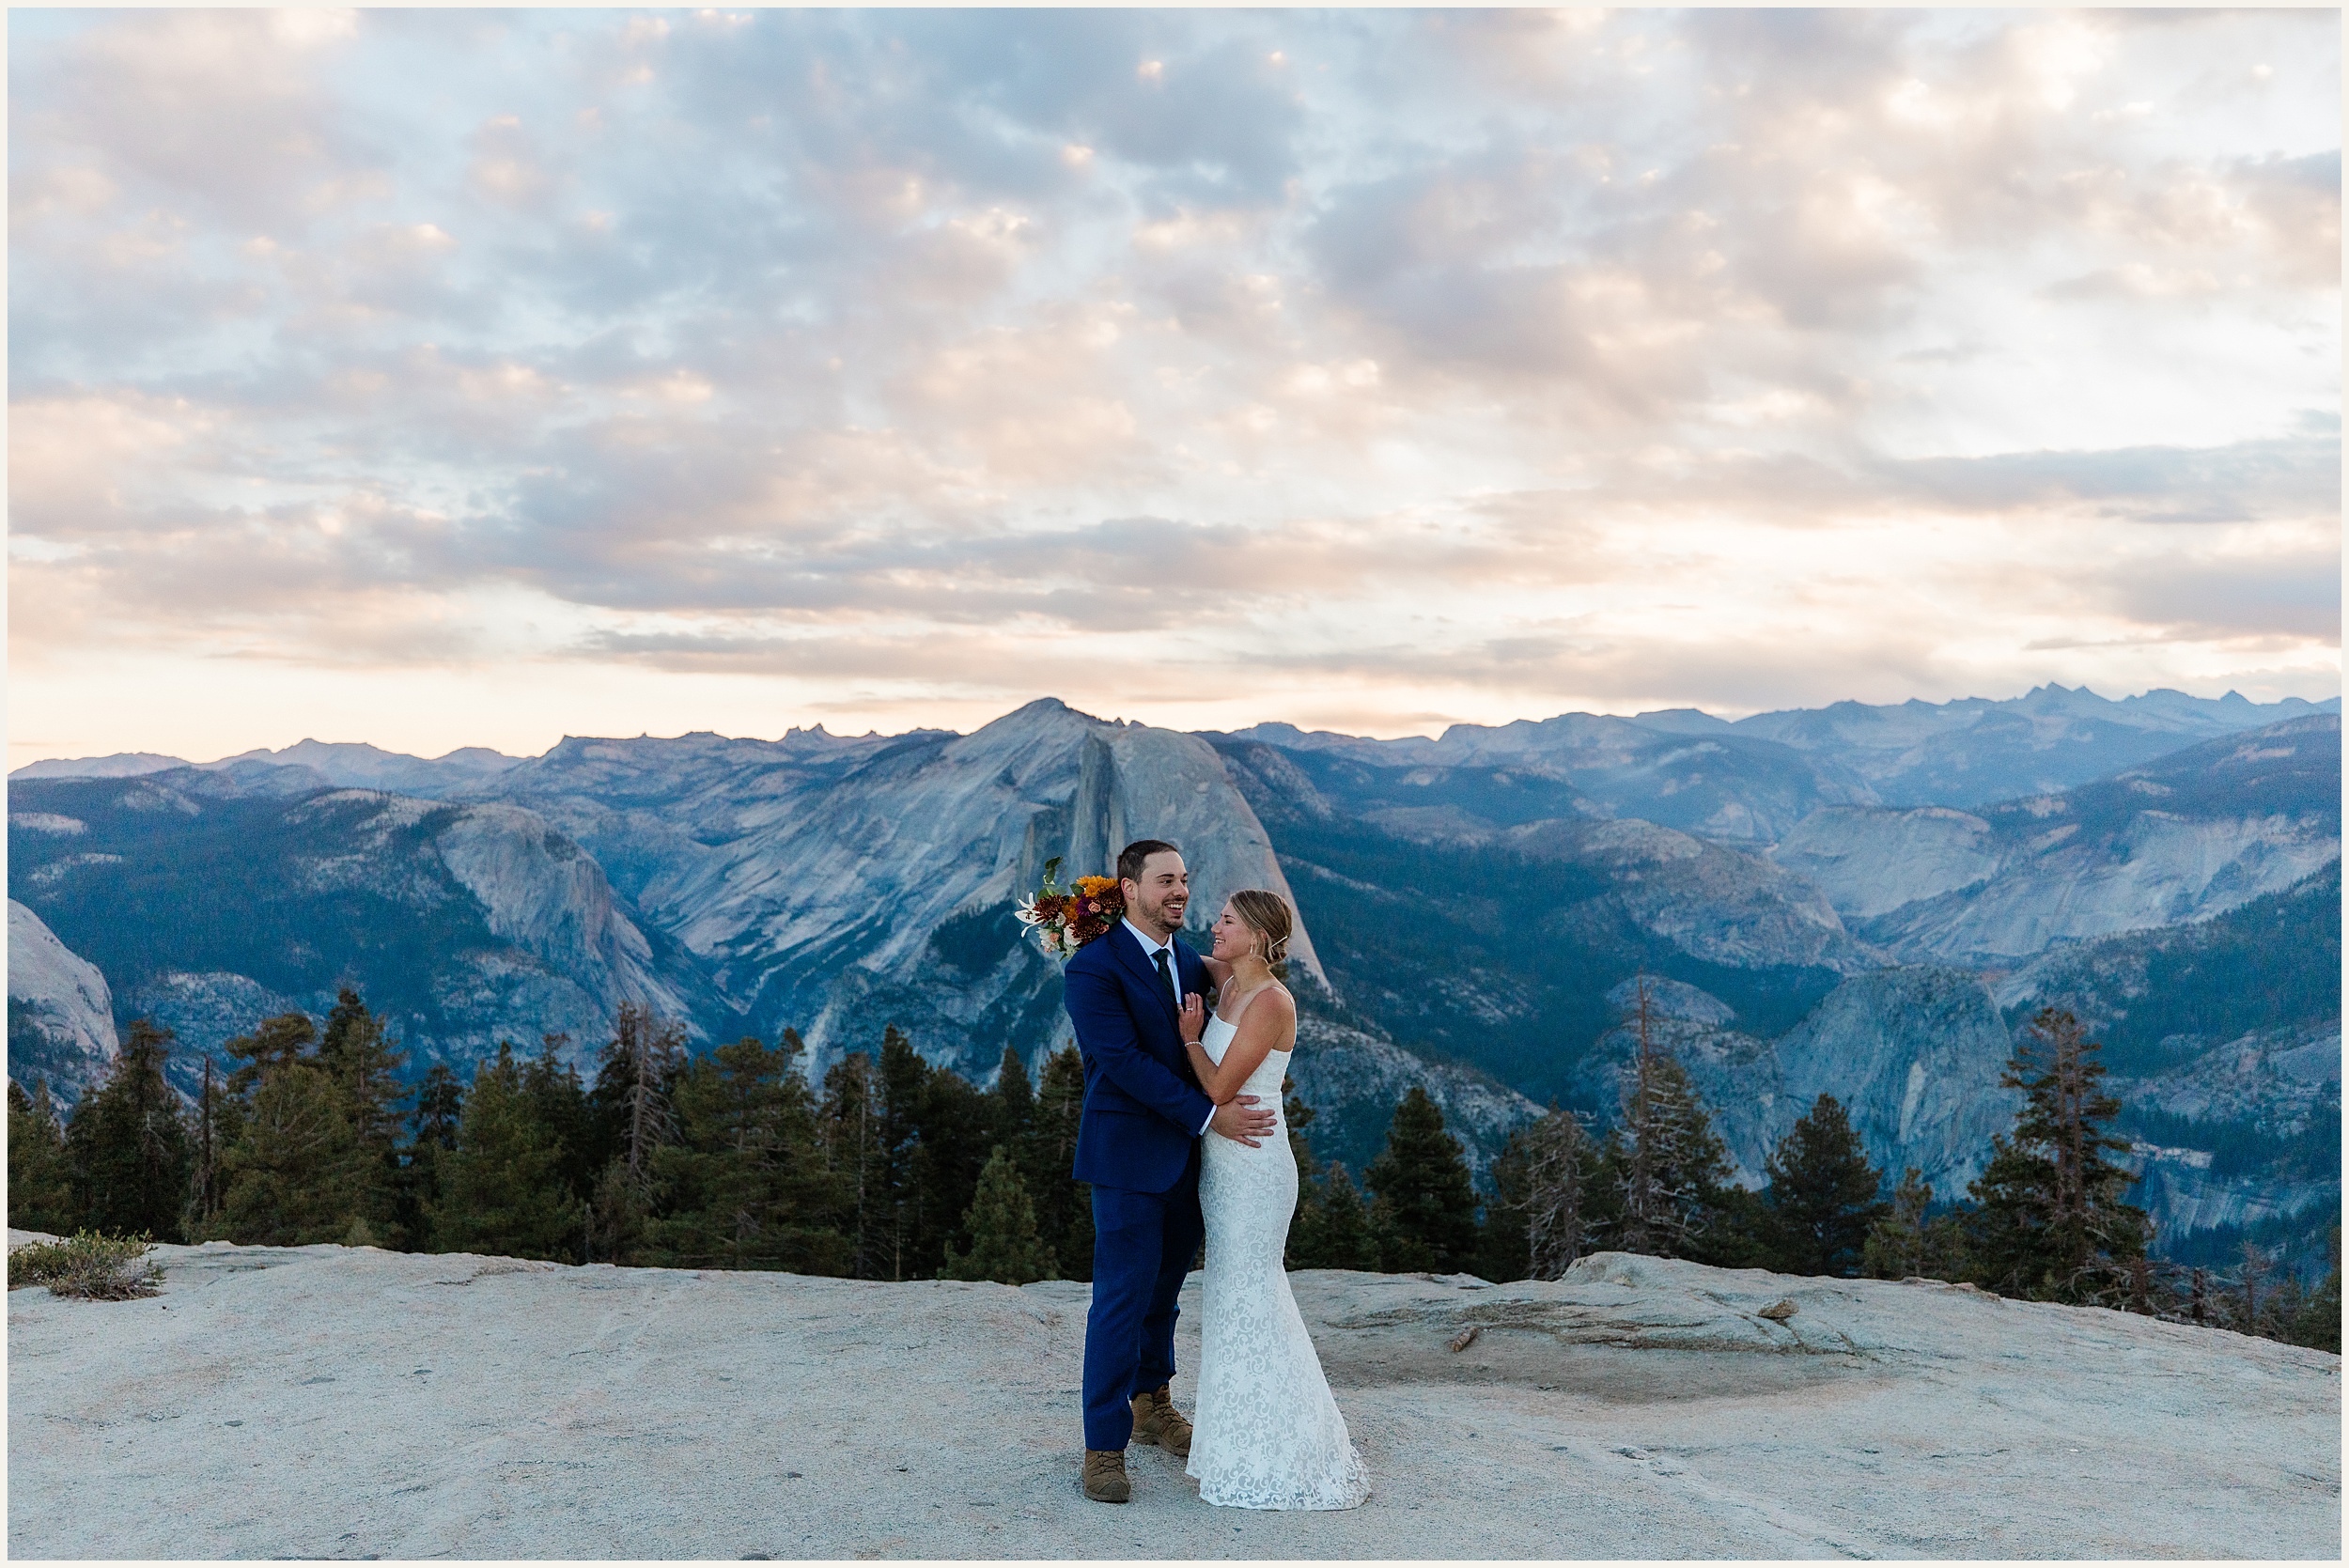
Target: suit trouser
[[1143, 1244]]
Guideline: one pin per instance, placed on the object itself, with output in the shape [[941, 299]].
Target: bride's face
[[1234, 940]]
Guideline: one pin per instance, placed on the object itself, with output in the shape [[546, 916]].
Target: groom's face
[[1156, 901]]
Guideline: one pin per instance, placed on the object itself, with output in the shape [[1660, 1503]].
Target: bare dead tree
[[206, 1183], [2255, 1268]]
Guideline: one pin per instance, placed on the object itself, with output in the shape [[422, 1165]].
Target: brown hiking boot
[[1157, 1421], [1105, 1475]]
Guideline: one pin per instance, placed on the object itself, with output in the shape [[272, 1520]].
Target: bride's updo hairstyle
[[1267, 915]]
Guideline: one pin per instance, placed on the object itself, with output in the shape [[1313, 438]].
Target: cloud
[[1475, 364]]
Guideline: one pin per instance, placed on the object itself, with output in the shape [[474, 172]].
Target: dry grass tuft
[[95, 1267]]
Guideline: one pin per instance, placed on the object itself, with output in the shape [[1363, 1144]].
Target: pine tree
[[41, 1177], [295, 1174], [274, 1043], [2048, 1220], [629, 1117], [851, 1124], [1345, 1237], [1666, 1169], [1001, 1223], [951, 1121], [1909, 1242], [743, 1187], [1304, 1240], [1425, 1210], [902, 1076], [1502, 1253], [501, 1191], [2317, 1323], [128, 1143], [559, 1101], [619, 1216], [439, 1108], [2256, 1267], [1064, 1205], [1534, 1225], [1012, 1107], [1820, 1199], [640, 1063], [365, 1067]]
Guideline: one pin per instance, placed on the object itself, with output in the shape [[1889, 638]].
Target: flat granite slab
[[341, 1402]]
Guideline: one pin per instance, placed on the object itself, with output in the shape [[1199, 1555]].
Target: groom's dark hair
[[1131, 858]]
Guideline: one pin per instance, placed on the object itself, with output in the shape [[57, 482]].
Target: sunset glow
[[440, 378]]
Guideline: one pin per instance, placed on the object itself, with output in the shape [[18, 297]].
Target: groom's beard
[[1165, 919]]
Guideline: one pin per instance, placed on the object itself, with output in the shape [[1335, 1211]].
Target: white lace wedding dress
[[1267, 1432]]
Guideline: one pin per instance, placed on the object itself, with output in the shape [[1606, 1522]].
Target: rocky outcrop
[[1717, 904], [1973, 751], [2181, 1193], [353, 766], [120, 765], [205, 1009], [2285, 1086], [2196, 834], [1870, 862], [539, 891], [1718, 785], [256, 891], [2282, 1079], [333, 1402], [358, 766], [1752, 781], [61, 1026], [1913, 1054], [836, 891]]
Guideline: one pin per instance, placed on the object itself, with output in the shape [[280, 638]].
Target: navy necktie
[[1164, 978]]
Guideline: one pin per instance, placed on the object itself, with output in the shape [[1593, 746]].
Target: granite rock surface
[[333, 1402]]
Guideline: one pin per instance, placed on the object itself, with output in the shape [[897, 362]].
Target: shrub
[[95, 1268]]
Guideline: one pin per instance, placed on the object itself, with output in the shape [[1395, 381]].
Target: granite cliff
[[61, 1025], [2176, 841]]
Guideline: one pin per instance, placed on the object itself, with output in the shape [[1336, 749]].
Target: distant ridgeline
[[1855, 901]]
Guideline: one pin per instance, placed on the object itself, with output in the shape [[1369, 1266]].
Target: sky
[[444, 377]]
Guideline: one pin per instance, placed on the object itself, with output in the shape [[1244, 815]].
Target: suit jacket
[[1142, 1105]]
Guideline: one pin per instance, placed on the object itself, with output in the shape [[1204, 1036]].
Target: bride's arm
[[1267, 1022], [1210, 1084], [1213, 1081]]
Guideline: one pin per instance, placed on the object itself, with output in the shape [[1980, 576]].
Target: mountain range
[[1858, 900]]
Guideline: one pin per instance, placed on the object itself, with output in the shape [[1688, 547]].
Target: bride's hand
[[1194, 1020]]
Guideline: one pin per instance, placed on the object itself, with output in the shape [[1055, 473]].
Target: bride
[[1267, 1434]]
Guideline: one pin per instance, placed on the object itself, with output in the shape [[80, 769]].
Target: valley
[[1820, 901]]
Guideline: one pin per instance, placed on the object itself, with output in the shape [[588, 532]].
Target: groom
[[1138, 1145]]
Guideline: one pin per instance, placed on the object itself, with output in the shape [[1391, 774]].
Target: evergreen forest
[[892, 1169]]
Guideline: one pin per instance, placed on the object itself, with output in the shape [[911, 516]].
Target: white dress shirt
[[1151, 948]]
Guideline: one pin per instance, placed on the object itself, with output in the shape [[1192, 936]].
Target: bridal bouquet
[[1065, 919]]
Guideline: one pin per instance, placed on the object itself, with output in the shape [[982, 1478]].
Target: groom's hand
[[1239, 1120]]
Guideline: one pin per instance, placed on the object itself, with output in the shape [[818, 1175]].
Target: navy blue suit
[[1138, 1145]]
